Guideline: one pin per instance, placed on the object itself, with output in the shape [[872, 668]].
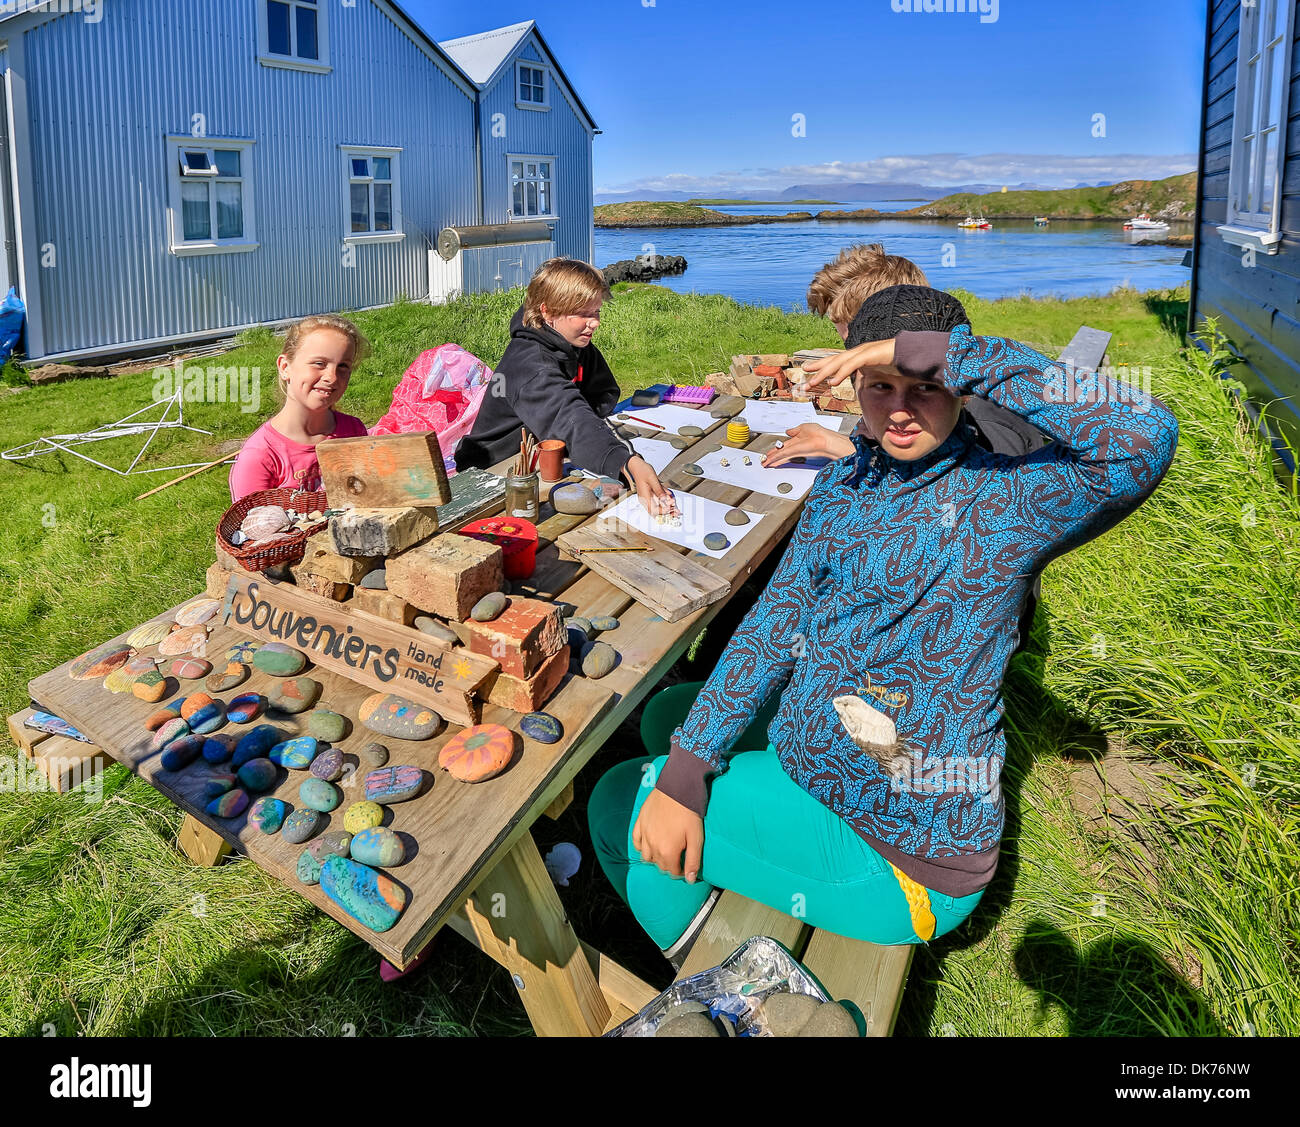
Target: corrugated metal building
[[185, 168]]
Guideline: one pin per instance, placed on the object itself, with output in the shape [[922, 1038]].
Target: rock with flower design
[[390, 715]]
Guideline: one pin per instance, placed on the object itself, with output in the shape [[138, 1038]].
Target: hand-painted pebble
[[737, 517], [229, 805], [217, 749], [374, 755], [242, 652], [186, 641], [436, 629], [294, 695], [319, 795], [598, 659], [389, 785], [124, 677], [362, 816], [367, 896], [194, 703], [785, 487], [255, 744], [171, 711], [295, 754], [542, 727], [562, 862], [150, 634], [328, 765], [208, 719], [301, 825], [378, 847], [336, 843], [218, 783], [268, 814], [376, 580], [692, 469], [689, 431], [150, 687], [575, 499], [279, 660], [257, 774], [716, 541], [244, 709], [181, 752], [174, 729], [489, 607], [308, 869], [197, 612], [478, 753], [390, 715], [603, 622], [96, 664], [327, 726], [234, 675], [190, 668]]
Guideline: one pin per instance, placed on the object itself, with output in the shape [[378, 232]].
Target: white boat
[[1144, 222], [980, 224]]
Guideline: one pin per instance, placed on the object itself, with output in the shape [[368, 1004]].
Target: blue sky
[[701, 94]]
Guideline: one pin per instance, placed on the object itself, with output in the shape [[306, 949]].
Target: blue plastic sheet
[[12, 314]]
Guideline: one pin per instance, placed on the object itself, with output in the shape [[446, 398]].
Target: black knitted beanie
[[905, 309]]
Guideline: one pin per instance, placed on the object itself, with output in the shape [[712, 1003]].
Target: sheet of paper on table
[[700, 516], [669, 416], [754, 477], [656, 452], [776, 416]]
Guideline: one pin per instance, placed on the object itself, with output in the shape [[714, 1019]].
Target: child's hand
[[655, 498], [833, 370], [809, 440], [664, 830]]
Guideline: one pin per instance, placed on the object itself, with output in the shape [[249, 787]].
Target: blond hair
[[564, 285], [300, 330], [839, 288]]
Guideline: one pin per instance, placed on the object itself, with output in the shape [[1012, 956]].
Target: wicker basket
[[290, 549]]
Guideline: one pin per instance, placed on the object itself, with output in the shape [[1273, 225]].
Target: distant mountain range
[[838, 193]]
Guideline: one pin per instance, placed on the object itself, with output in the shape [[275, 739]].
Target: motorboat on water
[[1144, 222], [980, 224], [1041, 221]]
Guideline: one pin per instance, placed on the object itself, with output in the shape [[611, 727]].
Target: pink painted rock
[[191, 668]]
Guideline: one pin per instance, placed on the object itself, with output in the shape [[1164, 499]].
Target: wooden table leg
[[200, 844], [517, 918]]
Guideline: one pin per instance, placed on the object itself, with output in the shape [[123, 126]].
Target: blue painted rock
[[295, 754], [256, 744], [374, 755], [172, 730], [99, 663], [368, 897], [244, 709], [376, 580], [150, 687], [268, 814], [598, 659], [190, 668], [393, 784], [395, 716], [379, 847], [181, 752], [257, 774], [328, 765], [362, 816], [209, 718], [308, 868], [300, 825], [242, 652], [279, 660], [229, 805], [235, 674], [217, 749], [164, 714], [320, 795], [604, 622], [542, 727], [295, 695], [575, 499], [124, 677], [218, 783], [336, 843], [489, 607], [327, 726]]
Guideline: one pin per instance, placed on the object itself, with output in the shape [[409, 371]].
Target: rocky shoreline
[[851, 216], [645, 268]]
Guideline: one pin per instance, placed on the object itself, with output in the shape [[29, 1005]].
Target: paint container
[[738, 433], [516, 538], [522, 496], [550, 460]]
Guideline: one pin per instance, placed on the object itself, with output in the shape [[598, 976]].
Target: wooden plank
[[734, 920], [562, 802], [474, 494], [388, 471], [200, 844], [25, 738], [1086, 350], [67, 763], [871, 976]]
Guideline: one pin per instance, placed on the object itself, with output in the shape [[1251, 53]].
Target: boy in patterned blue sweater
[[879, 647]]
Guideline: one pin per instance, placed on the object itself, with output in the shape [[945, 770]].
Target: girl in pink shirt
[[314, 368]]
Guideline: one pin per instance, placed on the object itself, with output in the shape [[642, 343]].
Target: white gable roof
[[480, 56]]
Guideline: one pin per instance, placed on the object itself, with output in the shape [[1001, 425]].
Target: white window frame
[[177, 243], [293, 62], [511, 158], [1259, 229], [397, 234], [545, 103]]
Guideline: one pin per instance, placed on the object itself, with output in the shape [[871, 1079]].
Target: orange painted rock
[[478, 753], [194, 704], [100, 662]]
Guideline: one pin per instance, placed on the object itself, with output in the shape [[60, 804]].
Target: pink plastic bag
[[442, 391]]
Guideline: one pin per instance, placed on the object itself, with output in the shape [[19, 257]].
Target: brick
[[226, 560], [521, 638], [383, 604], [319, 560], [381, 532], [322, 585], [447, 576], [527, 695]]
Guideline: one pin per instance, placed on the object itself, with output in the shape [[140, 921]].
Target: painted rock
[[393, 784], [320, 795], [362, 816], [478, 753], [736, 517], [376, 580], [390, 715], [489, 607], [301, 825], [308, 869], [229, 805], [268, 814], [327, 726], [562, 862], [374, 755], [679, 443], [542, 727], [693, 470], [279, 660], [170, 712], [150, 634], [255, 744], [295, 754], [190, 668], [181, 753], [242, 652], [190, 640], [150, 687], [378, 847], [174, 729], [217, 749], [295, 695], [785, 487], [198, 612], [716, 541], [598, 659], [218, 783], [194, 704], [574, 499], [328, 765], [436, 629], [336, 843], [209, 718], [257, 774], [234, 675], [577, 622], [645, 398], [604, 622], [244, 709], [368, 897], [689, 431], [99, 663], [124, 677]]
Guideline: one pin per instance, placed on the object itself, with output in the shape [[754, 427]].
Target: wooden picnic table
[[472, 862]]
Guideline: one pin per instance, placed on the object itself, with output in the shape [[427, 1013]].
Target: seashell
[[874, 733], [264, 522]]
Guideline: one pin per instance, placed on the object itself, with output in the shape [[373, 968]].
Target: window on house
[[293, 33], [372, 200], [532, 187], [532, 92], [211, 194]]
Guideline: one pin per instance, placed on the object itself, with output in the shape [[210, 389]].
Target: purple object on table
[[685, 393]]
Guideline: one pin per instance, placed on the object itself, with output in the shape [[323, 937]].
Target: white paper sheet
[[776, 416], [754, 477], [670, 416], [656, 452], [700, 516]]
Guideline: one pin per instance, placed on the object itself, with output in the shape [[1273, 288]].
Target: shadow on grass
[[1170, 308]]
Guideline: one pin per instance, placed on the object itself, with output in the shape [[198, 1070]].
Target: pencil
[[638, 548]]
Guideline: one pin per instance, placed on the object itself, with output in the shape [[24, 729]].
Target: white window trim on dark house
[[511, 159], [292, 61], [370, 153], [177, 243], [1259, 228], [545, 103]]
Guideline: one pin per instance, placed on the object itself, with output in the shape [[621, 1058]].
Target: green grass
[[1171, 641], [1171, 198]]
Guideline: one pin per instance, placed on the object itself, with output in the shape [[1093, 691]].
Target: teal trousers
[[766, 838]]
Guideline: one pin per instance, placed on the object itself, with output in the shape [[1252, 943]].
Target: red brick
[[527, 695], [521, 637]]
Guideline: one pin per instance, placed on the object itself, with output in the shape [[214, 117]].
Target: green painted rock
[[368, 897], [327, 726], [320, 795], [257, 774], [268, 814], [279, 660], [294, 695], [308, 868], [378, 847], [489, 607]]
